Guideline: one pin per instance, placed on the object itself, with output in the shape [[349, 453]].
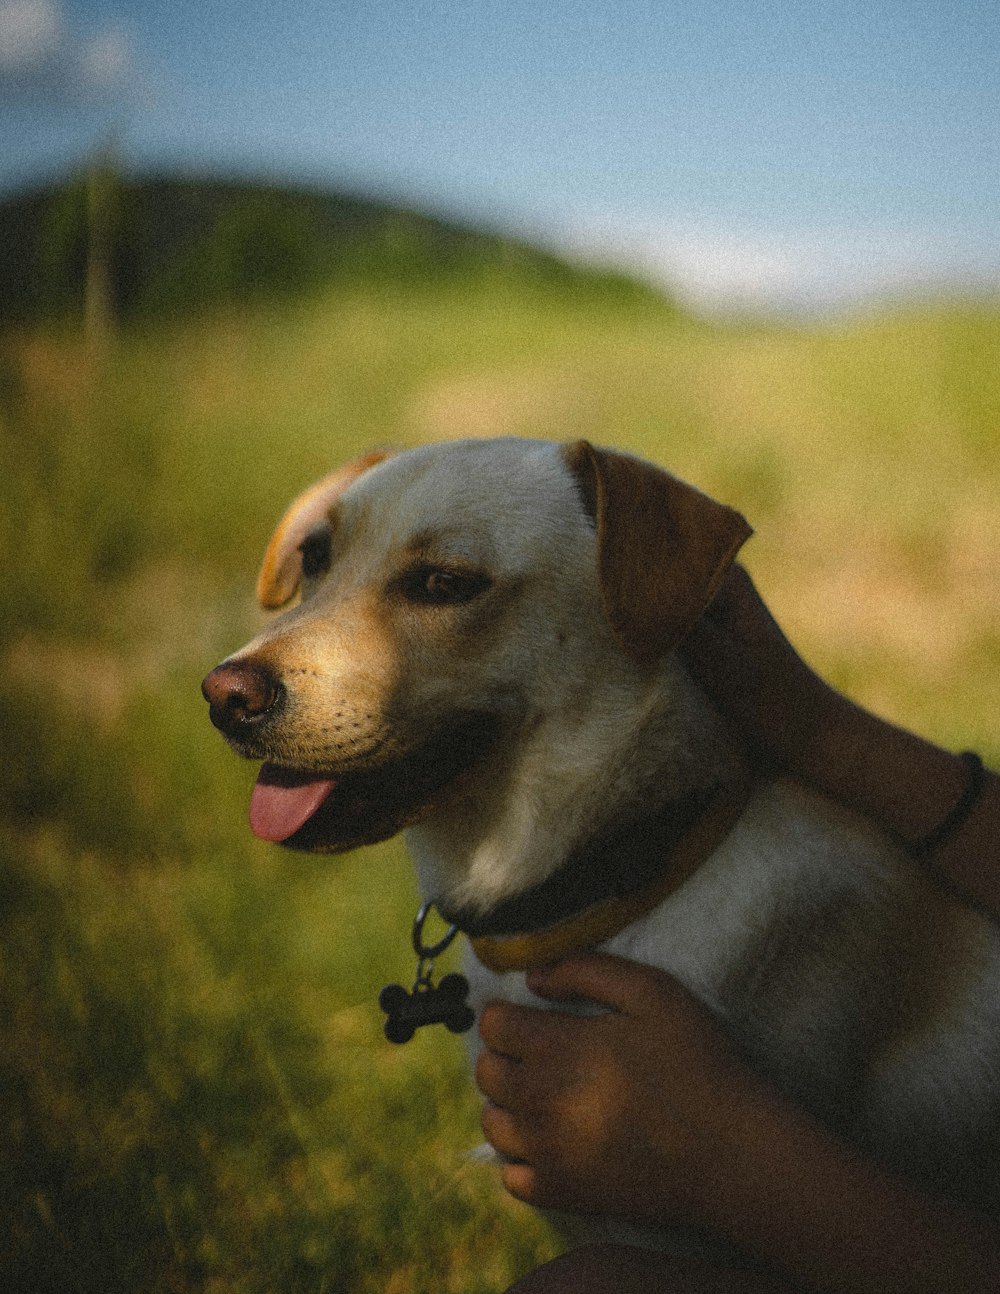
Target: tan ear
[[663, 546], [281, 569]]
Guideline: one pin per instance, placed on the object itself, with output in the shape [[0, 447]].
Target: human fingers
[[511, 1129], [623, 986], [738, 634], [653, 1021], [739, 610], [497, 1077], [738, 653], [520, 1031], [522, 1180], [504, 1131], [516, 1142]]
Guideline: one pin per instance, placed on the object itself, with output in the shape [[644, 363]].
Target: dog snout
[[241, 694]]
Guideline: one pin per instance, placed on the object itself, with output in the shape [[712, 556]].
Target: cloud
[[727, 269], [30, 30], [43, 62], [107, 60]]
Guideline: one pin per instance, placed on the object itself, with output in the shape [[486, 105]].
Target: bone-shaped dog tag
[[444, 1003]]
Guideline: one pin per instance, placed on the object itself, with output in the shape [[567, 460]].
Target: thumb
[[623, 986]]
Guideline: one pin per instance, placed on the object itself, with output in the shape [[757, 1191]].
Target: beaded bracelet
[[959, 813]]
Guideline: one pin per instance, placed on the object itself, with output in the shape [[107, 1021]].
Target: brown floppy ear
[[281, 569], [663, 546]]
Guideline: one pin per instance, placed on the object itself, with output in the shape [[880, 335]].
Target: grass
[[197, 1095], [195, 1091]]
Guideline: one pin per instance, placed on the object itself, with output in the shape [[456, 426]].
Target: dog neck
[[634, 793], [606, 886]]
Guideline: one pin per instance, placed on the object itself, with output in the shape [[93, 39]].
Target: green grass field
[[195, 1091]]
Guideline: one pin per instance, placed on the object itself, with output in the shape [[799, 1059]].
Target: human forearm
[[795, 1197], [795, 721], [908, 786]]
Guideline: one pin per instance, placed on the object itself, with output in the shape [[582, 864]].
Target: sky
[[786, 156]]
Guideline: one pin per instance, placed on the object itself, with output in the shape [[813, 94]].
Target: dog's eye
[[315, 550], [436, 587]]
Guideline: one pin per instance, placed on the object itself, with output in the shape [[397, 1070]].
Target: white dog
[[484, 655]]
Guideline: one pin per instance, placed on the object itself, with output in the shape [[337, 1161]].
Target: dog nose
[[240, 694]]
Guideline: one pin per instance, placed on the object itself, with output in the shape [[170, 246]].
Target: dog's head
[[451, 597]]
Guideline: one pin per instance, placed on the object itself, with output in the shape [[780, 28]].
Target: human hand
[[628, 1112], [743, 660], [647, 1112]]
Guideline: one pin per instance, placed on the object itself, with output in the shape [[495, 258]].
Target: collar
[[605, 887]]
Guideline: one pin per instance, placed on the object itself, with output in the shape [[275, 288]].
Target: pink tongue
[[283, 800]]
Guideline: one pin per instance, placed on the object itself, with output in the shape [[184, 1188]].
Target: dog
[[484, 656]]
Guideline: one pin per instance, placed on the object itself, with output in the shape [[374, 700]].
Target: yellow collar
[[595, 924]]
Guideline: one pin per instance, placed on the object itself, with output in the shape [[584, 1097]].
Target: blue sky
[[784, 154]]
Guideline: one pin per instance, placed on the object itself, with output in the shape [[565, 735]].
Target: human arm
[[648, 1111], [794, 720]]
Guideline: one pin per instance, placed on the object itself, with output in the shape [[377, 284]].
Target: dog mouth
[[330, 812]]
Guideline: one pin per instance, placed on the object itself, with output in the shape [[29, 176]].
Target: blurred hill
[[162, 247]]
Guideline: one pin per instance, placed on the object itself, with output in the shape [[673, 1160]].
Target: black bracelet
[[957, 815]]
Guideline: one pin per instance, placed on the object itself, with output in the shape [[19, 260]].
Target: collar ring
[[423, 951]]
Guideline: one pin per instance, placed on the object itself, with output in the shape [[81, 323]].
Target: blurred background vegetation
[[194, 1087]]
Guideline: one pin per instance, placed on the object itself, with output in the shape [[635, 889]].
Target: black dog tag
[[444, 1003]]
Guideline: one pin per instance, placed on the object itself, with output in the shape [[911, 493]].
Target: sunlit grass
[[196, 1092]]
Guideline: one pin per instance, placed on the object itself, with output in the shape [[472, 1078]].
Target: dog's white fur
[[850, 980]]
